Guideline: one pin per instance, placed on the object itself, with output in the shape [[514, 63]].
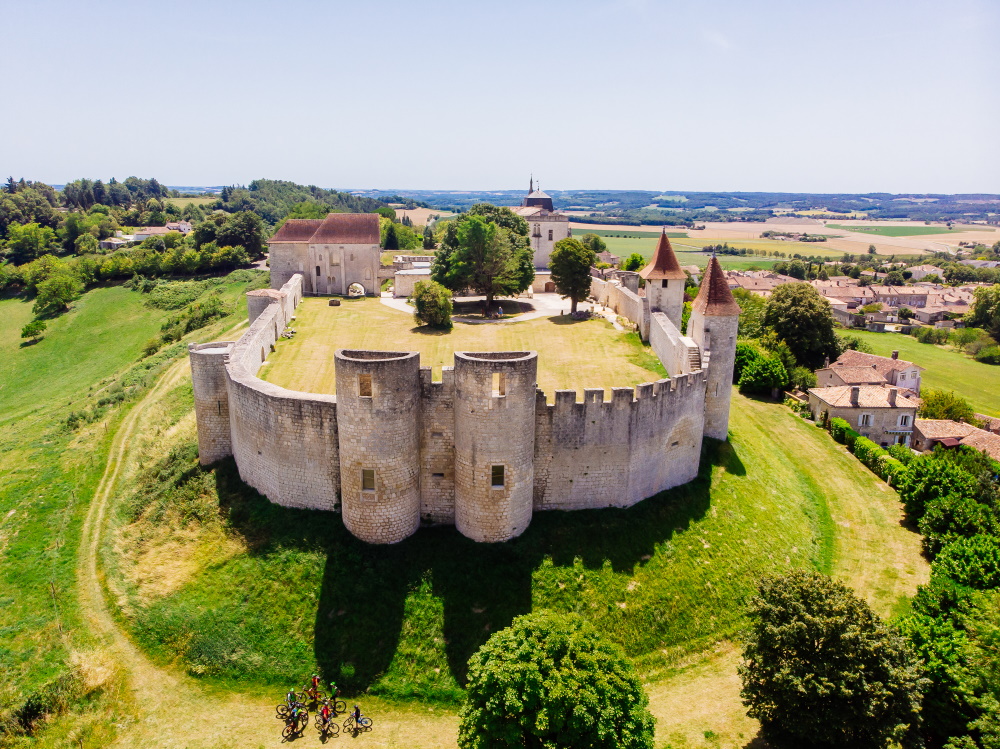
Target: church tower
[[665, 282], [715, 317]]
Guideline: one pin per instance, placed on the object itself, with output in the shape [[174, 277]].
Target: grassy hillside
[[48, 471], [945, 368], [257, 593]]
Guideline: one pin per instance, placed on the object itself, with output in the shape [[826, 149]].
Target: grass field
[[626, 234], [945, 368], [572, 354], [181, 202], [897, 231], [48, 471]]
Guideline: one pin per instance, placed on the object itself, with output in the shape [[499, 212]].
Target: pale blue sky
[[878, 95]]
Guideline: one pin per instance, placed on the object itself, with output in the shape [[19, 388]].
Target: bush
[[950, 518], [867, 452], [944, 404], [928, 478], [551, 680], [821, 669], [890, 469], [901, 453], [973, 562], [56, 292], [839, 429], [33, 329], [802, 378], [433, 304], [988, 355], [759, 371]]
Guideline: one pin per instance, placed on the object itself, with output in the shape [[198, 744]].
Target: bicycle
[[351, 727], [295, 723], [327, 727]]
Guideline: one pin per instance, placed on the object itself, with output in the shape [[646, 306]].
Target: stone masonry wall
[[379, 432], [211, 399], [614, 454], [678, 353], [626, 303], [437, 446]]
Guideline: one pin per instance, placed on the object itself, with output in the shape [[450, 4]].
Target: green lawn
[[181, 202], [665, 579], [572, 354], [901, 231], [48, 471], [977, 382]]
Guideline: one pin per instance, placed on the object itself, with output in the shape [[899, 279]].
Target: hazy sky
[[876, 95]]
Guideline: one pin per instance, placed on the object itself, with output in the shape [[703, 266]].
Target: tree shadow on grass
[[360, 611]]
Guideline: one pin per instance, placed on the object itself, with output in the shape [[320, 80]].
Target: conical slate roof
[[714, 297], [664, 263]]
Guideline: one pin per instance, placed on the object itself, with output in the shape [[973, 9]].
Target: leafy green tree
[[752, 309], [945, 404], [633, 262], [973, 562], [86, 244], [244, 229], [960, 338], [33, 329], [929, 478], [428, 239], [871, 249], [56, 293], [26, 242], [820, 669], [594, 243], [985, 310], [551, 681], [433, 305], [797, 269], [894, 278], [480, 253], [801, 318], [570, 263], [391, 241], [952, 517]]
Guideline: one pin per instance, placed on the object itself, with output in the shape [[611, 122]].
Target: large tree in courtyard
[[487, 250], [551, 681], [570, 263], [820, 669], [801, 318]]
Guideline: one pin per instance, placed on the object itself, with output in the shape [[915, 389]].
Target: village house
[[920, 272], [145, 232], [880, 413], [184, 227], [893, 370], [930, 432]]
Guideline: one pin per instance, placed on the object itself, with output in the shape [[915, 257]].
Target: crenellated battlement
[[481, 447]]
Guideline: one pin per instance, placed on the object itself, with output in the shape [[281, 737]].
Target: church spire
[[664, 263], [531, 184]]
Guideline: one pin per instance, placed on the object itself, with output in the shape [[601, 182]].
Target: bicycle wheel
[[288, 731], [281, 711], [340, 707], [303, 720], [349, 725], [366, 724]]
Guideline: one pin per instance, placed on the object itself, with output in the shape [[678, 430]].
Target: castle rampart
[[482, 448]]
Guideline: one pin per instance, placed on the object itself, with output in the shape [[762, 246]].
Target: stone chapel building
[[332, 253], [546, 225]]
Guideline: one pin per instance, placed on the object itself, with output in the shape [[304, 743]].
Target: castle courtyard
[[571, 354]]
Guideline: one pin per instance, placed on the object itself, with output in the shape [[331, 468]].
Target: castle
[[481, 449], [546, 225]]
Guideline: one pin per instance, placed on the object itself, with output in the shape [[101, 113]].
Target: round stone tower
[[211, 399], [494, 443], [378, 414]]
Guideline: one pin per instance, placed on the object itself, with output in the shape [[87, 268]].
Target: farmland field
[[897, 231], [624, 233], [946, 369]]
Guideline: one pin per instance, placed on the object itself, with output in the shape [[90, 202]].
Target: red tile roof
[[883, 364], [348, 228], [297, 230], [869, 396], [664, 263], [714, 297]]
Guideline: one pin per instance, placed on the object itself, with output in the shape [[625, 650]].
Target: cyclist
[[291, 699], [326, 712], [356, 714], [314, 692]]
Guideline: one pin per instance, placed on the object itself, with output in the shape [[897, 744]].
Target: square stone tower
[[665, 282]]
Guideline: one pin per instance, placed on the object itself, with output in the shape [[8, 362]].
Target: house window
[[499, 384], [317, 271], [365, 385], [497, 477], [902, 376], [550, 235], [663, 284], [904, 420], [367, 479], [865, 420]]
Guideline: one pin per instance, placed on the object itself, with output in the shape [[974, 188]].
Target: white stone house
[[877, 412]]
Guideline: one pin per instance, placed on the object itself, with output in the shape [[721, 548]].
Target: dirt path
[[174, 710]]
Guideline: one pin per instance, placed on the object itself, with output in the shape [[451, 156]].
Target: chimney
[[895, 354], [892, 396], [855, 390], [826, 362]]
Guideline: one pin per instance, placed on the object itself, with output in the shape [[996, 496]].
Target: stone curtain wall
[[624, 302], [437, 446], [614, 454], [285, 443], [211, 399], [679, 354]]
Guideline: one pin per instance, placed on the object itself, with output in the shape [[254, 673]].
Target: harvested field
[[420, 216]]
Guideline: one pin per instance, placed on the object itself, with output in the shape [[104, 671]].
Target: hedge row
[[878, 460]]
